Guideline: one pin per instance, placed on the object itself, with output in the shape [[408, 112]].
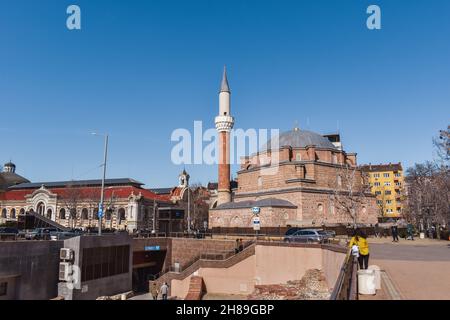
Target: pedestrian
[[154, 291], [236, 249], [394, 230], [377, 230], [360, 240], [410, 232], [241, 245], [164, 290]]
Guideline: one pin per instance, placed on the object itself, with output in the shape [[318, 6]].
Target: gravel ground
[[311, 287]]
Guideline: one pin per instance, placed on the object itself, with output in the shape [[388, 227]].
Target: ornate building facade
[[74, 204]]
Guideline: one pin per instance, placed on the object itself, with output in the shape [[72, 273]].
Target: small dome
[[297, 138]]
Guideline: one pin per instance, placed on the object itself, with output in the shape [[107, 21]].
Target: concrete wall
[[108, 286], [332, 262], [34, 266], [269, 265]]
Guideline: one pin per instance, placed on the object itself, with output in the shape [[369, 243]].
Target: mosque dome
[[297, 138]]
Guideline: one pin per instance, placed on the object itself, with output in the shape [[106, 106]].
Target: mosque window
[[49, 213], [298, 157], [12, 214], [4, 213], [320, 207]]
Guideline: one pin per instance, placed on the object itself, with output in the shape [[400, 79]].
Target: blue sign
[[152, 248], [100, 211]]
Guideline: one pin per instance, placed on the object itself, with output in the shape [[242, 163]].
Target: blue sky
[[140, 69]]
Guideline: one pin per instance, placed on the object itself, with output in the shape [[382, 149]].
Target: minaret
[[224, 123]]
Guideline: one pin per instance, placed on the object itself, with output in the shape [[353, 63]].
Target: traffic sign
[[256, 210], [256, 223]]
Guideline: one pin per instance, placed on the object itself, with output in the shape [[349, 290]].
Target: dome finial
[[296, 127]]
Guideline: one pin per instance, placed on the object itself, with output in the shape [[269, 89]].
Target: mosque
[[300, 179]]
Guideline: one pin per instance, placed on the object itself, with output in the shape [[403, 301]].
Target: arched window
[[298, 157], [49, 213], [108, 214], [62, 214], [145, 214], [95, 214], [4, 213], [40, 208], [320, 207], [22, 211], [73, 213], [12, 213], [84, 214], [122, 215]]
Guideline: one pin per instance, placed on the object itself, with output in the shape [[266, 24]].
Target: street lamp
[[100, 207]]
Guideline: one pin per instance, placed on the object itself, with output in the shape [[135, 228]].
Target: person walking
[[394, 230], [360, 240], [164, 290], [154, 291], [410, 232], [236, 249]]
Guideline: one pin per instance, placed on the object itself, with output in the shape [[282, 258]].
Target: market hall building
[[74, 204]]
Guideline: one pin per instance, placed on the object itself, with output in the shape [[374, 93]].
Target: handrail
[[345, 287]]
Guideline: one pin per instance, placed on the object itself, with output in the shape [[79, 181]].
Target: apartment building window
[[388, 192], [398, 175], [3, 288], [387, 184], [376, 175], [378, 193], [398, 184], [386, 175], [388, 201], [379, 202], [377, 184]]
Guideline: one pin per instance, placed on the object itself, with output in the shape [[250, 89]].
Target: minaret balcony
[[224, 123]]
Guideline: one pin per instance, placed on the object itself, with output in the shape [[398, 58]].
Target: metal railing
[[346, 287]]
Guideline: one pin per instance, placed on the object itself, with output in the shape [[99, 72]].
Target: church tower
[[224, 123]]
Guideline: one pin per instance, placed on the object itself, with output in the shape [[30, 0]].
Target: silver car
[[307, 236]]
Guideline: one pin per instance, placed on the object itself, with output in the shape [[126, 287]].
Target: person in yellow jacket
[[360, 239]]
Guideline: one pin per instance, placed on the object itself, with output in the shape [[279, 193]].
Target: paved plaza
[[415, 270]]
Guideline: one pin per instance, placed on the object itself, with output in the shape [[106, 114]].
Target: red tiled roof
[[86, 192]]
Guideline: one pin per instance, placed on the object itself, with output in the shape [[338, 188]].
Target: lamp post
[[100, 207]]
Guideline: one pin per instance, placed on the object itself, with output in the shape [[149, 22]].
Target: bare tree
[[71, 198], [350, 190]]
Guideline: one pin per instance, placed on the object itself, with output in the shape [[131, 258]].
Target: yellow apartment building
[[386, 181]]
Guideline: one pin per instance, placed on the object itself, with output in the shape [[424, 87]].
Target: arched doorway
[[84, 214], [121, 214], [40, 208]]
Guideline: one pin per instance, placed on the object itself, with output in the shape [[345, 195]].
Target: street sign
[[256, 210], [100, 211], [152, 248], [256, 223]]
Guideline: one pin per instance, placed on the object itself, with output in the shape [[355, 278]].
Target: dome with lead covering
[[297, 138]]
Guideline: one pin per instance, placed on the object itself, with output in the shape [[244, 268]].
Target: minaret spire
[[224, 87]]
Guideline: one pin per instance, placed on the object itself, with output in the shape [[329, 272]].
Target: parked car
[[9, 230], [306, 235], [40, 234], [291, 231], [328, 233], [62, 235]]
